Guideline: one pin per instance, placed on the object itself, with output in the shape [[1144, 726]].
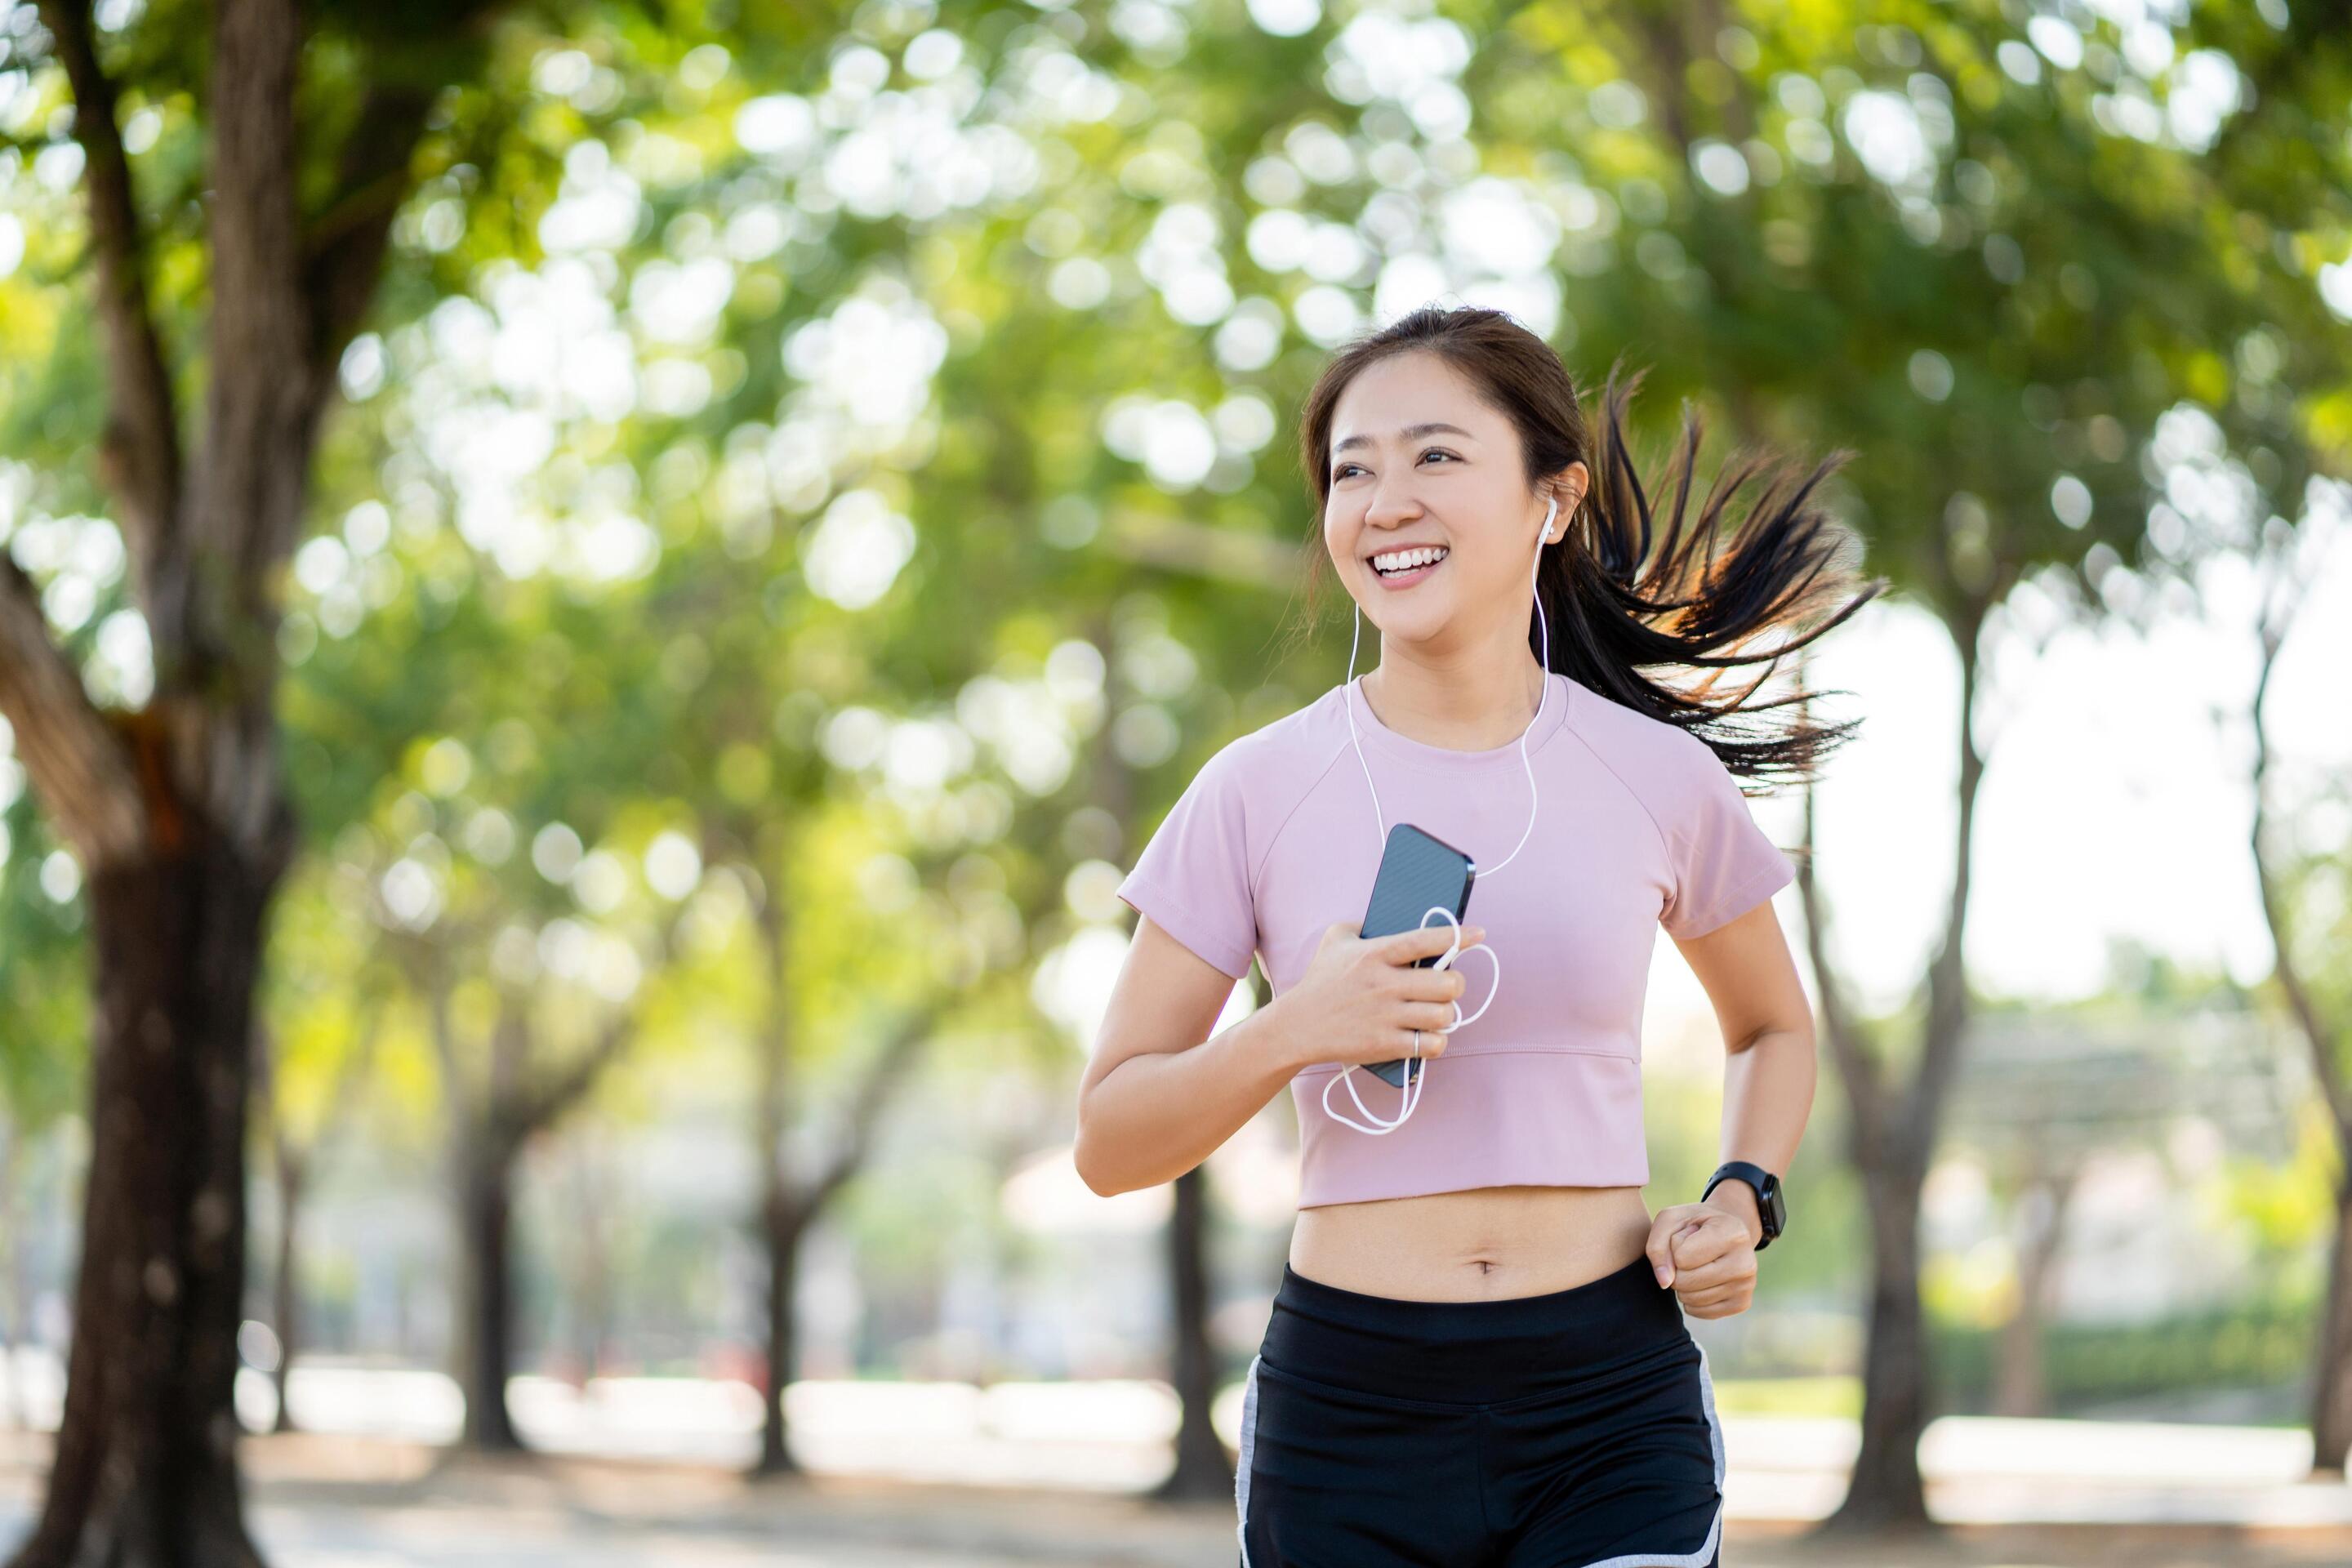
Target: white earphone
[[1417, 1069]]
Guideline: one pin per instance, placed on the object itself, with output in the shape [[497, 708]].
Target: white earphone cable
[[1417, 1068]]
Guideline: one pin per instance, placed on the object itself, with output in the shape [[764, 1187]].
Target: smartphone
[[1418, 872]]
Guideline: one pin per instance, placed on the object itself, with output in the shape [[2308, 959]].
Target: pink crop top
[[1638, 825]]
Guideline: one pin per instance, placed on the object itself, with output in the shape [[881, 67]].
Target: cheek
[[1340, 542]]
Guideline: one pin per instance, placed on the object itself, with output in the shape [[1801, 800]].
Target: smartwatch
[[1771, 1207]]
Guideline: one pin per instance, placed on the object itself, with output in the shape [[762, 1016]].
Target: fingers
[[1430, 1017], [1425, 941], [1432, 1044], [1660, 1247], [1710, 1238], [1427, 985], [1715, 1266], [1717, 1303], [1736, 1268], [1670, 1247]]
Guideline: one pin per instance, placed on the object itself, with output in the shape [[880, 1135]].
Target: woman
[[1477, 1353]]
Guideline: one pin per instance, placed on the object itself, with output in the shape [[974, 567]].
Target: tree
[[176, 807], [2301, 880]]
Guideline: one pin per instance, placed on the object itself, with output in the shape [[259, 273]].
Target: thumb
[[1661, 1251]]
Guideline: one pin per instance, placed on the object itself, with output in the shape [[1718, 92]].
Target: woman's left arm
[[1706, 1251]]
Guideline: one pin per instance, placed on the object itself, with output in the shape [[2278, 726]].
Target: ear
[[1569, 485]]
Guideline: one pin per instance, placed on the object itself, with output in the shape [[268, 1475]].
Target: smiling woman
[[1477, 1295]]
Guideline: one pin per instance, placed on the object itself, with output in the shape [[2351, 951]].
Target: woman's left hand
[[1707, 1253]]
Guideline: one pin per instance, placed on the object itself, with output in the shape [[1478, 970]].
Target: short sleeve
[[1723, 865], [1194, 876]]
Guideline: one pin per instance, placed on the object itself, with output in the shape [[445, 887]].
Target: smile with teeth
[[1397, 562]]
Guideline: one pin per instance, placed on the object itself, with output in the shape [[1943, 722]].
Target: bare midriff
[[1481, 1245]]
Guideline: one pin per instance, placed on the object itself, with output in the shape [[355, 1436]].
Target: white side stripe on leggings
[[1241, 1464], [1707, 1549]]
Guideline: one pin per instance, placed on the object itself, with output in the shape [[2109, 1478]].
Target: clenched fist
[[1708, 1254]]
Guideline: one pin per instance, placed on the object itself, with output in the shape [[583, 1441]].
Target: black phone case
[[1418, 871]]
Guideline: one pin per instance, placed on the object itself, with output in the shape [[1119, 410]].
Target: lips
[[1405, 579]]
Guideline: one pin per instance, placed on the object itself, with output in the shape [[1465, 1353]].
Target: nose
[[1393, 504]]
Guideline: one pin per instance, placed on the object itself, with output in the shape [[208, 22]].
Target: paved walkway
[[333, 1502]]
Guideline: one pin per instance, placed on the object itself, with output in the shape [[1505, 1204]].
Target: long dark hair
[[1614, 608]]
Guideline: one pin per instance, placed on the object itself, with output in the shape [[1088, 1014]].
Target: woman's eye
[[1432, 452]]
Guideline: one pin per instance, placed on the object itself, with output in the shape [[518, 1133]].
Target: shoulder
[[1661, 755], [1267, 770], [1665, 766]]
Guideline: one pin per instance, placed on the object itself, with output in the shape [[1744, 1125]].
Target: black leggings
[[1571, 1430]]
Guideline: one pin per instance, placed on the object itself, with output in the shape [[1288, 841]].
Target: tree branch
[[344, 247], [86, 775], [2326, 1058], [865, 1108], [344, 250], [542, 1104], [534, 1107], [1865, 1090], [140, 456]]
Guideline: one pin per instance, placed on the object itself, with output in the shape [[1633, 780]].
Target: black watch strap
[[1771, 1208]]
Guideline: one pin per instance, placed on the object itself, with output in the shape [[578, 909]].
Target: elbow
[[1102, 1183], [1089, 1174]]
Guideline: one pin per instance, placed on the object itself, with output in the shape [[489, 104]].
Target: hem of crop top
[[1495, 1172], [1480, 1122], [1501, 1048]]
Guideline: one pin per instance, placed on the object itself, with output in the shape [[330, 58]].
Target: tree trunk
[[1887, 1492], [781, 1220], [2331, 1400], [783, 1229], [1893, 1138], [286, 1304], [484, 1228], [1201, 1468], [2024, 1389], [146, 1470]]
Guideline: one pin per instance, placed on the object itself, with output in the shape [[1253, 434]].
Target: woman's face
[[1418, 459]]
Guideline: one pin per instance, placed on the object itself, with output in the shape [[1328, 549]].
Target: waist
[[1475, 1245], [1622, 1324]]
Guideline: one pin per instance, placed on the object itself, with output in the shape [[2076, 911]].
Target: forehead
[[1409, 396]]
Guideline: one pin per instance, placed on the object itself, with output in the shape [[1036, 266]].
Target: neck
[[1466, 706]]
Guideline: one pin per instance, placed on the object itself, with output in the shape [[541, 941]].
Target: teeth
[[1401, 560]]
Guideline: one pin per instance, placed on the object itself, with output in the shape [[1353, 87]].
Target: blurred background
[[603, 591]]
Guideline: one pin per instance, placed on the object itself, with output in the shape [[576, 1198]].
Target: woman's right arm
[[1161, 1093]]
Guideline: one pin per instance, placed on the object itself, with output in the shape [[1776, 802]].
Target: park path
[[332, 1502]]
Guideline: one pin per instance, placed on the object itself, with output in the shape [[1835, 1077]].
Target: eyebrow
[[1410, 432]]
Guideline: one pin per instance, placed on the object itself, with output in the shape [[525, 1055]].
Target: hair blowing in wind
[[1647, 605]]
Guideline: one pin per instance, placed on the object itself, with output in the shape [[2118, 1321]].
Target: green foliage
[[2264, 1342], [44, 990]]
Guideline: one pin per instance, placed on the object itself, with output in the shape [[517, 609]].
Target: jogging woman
[[1477, 1354]]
